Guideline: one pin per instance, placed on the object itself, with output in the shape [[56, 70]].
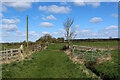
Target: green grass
[[46, 64], [110, 68], [55, 64], [10, 46], [101, 44], [107, 68]]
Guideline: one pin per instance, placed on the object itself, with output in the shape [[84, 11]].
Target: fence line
[[15, 54], [88, 53], [8, 54]]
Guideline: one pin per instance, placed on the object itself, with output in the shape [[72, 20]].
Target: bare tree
[[69, 33]]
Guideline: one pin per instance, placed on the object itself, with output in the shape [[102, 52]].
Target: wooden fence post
[[72, 52], [11, 52], [108, 47], [92, 55], [19, 52], [6, 55], [40, 47]]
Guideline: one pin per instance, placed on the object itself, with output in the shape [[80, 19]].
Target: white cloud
[[9, 27], [115, 15], [95, 20], [16, 36], [1, 15], [4, 34], [46, 24], [45, 33], [111, 27], [79, 3], [42, 8], [88, 28], [43, 18], [79, 33], [10, 21], [107, 33], [20, 6], [20, 33], [94, 4], [61, 30], [50, 17], [55, 9], [63, 3], [55, 32], [98, 34], [58, 33], [83, 3], [3, 8], [33, 33], [85, 31], [76, 26]]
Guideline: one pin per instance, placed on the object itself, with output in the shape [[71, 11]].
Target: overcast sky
[[91, 20]]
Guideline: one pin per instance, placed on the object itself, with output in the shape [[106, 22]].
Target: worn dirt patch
[[44, 47], [86, 72], [68, 52]]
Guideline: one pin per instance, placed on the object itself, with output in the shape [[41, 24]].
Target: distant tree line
[[94, 40], [48, 38]]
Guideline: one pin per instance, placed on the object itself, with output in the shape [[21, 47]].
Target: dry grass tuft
[[86, 72], [75, 59], [102, 59]]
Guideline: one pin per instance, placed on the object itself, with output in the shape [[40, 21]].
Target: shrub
[[90, 64], [109, 69], [65, 47]]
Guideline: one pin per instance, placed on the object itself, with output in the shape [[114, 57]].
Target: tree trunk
[[68, 43]]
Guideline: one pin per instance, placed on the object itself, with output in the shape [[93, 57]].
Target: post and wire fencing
[[89, 53]]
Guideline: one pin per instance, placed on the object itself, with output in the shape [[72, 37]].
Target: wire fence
[[89, 53]]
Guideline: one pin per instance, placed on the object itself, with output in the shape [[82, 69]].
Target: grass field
[[9, 46], [54, 63], [102, 44], [111, 44], [49, 63]]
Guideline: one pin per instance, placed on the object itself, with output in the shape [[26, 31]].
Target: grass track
[[46, 64]]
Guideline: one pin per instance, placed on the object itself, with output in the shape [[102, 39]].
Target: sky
[[91, 19]]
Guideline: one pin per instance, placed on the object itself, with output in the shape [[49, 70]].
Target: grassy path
[[50, 63]]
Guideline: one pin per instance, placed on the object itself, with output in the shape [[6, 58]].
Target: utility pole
[[27, 31]]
